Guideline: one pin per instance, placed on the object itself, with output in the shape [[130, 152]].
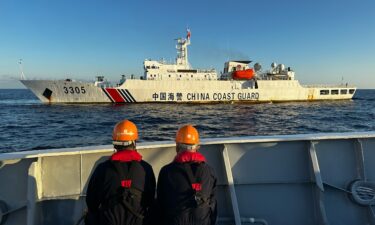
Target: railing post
[[360, 159], [233, 196], [319, 184], [315, 166]]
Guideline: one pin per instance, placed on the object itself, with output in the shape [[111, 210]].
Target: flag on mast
[[188, 33]]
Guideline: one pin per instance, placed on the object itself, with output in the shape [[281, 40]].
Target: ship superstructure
[[180, 70], [178, 82]]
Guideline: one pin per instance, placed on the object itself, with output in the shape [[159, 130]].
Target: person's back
[[186, 188], [121, 189]]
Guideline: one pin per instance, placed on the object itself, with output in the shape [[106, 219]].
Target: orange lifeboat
[[243, 74]]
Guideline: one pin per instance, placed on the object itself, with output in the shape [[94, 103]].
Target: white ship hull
[[186, 91]]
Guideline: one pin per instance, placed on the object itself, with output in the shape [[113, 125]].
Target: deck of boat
[[295, 179]]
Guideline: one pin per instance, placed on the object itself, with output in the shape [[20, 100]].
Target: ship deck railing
[[290, 179], [327, 86]]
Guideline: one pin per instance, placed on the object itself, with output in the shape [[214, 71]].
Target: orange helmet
[[124, 131], [187, 135]]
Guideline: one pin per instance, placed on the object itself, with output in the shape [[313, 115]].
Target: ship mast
[[21, 69], [182, 51]]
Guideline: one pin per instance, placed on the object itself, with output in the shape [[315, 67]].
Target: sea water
[[28, 124]]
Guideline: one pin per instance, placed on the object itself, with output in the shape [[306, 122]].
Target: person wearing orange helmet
[[186, 187], [121, 190]]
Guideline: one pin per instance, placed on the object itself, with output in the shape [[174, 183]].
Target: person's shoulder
[[204, 165], [144, 163], [102, 167], [167, 167], [210, 169], [146, 166]]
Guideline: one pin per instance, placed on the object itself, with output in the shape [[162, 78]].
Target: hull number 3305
[[74, 90]]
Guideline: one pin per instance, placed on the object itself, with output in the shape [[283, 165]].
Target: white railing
[[288, 179]]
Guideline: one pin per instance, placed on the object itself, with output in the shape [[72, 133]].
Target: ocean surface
[[27, 124]]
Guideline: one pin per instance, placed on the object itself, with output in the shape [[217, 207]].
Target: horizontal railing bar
[[207, 141]]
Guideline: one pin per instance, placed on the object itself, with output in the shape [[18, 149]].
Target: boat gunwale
[[205, 141]]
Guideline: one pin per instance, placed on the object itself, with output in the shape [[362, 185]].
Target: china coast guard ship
[[178, 82]]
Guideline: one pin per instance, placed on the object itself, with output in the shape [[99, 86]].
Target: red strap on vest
[[126, 183], [196, 186]]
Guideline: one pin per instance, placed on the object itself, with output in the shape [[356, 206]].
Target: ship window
[[343, 91], [324, 92], [169, 75], [191, 76], [351, 91], [334, 92], [180, 75]]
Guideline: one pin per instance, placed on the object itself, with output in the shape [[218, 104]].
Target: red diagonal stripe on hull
[[115, 95]]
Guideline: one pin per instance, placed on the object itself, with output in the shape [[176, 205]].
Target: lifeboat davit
[[243, 74]]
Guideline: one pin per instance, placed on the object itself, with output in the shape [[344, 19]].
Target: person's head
[[124, 135], [187, 139]]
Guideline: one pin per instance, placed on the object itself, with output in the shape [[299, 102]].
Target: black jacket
[[104, 194], [176, 196]]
